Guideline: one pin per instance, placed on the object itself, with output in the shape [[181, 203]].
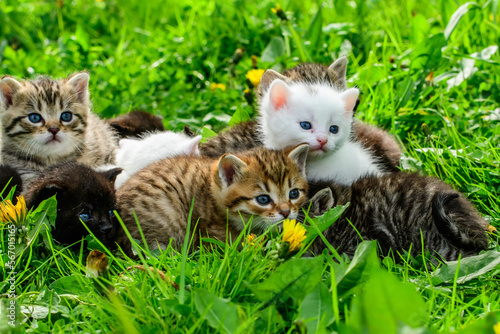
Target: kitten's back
[[400, 209]]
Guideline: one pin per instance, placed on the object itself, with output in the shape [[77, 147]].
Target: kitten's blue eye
[[66, 116], [111, 213], [334, 129], [35, 118], [263, 199], [293, 194], [84, 216], [305, 125]]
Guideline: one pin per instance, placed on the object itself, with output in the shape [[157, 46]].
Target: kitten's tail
[[458, 222]]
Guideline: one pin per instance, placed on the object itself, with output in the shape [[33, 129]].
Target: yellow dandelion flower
[[220, 86], [279, 12], [254, 76], [10, 213], [491, 228], [496, 328], [250, 240], [294, 234]]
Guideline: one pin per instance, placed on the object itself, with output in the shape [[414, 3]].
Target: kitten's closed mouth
[[52, 141]]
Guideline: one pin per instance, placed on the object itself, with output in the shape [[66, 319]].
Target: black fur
[[136, 123], [9, 178], [79, 190]]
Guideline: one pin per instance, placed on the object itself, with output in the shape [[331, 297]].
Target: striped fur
[[397, 210], [224, 192], [32, 146]]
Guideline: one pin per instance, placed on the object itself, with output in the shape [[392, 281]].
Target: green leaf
[[82, 37], [314, 32], [69, 285], [364, 261], [48, 208], [325, 221], [385, 305], [404, 92], [207, 133], [428, 54], [275, 49], [485, 325], [419, 28], [239, 116], [455, 18], [219, 313], [295, 279], [470, 268], [316, 309]]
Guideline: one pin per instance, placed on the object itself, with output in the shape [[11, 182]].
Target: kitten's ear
[[112, 174], [230, 169], [337, 72], [279, 93], [8, 88], [188, 131], [299, 155], [80, 83], [350, 97], [321, 202], [193, 145], [268, 77]]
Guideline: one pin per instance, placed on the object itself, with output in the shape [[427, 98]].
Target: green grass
[[163, 57]]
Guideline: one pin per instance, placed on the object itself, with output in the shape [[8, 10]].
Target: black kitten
[[136, 123], [400, 210], [8, 179], [82, 194]]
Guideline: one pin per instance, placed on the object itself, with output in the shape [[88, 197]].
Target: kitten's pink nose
[[54, 131], [322, 140], [284, 210]]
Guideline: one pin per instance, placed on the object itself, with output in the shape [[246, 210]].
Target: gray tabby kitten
[[47, 121], [399, 210], [247, 135]]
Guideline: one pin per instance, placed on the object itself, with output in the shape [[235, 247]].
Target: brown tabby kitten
[[136, 123], [47, 121], [82, 195], [396, 209], [268, 185], [247, 135]]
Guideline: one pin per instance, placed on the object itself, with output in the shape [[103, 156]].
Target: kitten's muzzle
[[54, 131]]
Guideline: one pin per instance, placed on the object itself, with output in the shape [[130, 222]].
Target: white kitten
[[317, 114], [135, 154]]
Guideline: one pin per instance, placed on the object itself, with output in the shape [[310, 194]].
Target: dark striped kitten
[[82, 194], [251, 134], [268, 185], [398, 210], [47, 121]]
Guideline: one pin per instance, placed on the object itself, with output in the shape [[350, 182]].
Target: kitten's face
[[307, 113], [268, 185], [44, 118], [82, 195]]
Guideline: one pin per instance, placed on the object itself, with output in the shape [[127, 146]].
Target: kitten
[[82, 194], [395, 209], [247, 135], [47, 121], [136, 123], [135, 154], [268, 185]]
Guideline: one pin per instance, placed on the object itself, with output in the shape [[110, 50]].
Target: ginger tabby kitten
[[268, 185]]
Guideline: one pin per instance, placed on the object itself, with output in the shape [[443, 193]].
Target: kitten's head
[[268, 185], [44, 118], [82, 194], [136, 123], [316, 114], [160, 145], [319, 203]]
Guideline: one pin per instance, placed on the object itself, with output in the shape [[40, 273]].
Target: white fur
[[135, 154], [285, 106]]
